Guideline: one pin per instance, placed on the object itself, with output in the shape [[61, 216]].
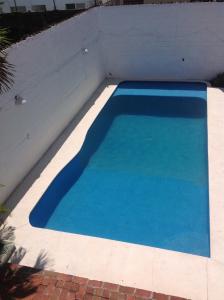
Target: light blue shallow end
[[137, 213]]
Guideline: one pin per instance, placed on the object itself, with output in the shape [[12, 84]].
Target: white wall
[[56, 79], [126, 42], [149, 41]]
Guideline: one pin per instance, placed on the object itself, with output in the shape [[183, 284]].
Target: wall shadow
[[37, 169], [168, 85]]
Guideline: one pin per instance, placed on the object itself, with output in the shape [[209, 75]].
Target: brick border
[[20, 282]]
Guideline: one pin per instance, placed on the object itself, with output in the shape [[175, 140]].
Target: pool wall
[[163, 42], [57, 77], [157, 183]]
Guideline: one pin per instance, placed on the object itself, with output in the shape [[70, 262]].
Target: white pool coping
[[168, 272]]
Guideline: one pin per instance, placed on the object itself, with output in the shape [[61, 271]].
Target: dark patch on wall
[[21, 25]]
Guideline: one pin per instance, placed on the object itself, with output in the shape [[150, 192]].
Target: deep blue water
[[141, 175]]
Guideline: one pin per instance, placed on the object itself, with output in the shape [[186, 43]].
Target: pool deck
[[163, 271]]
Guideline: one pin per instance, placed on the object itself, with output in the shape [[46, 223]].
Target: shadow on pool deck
[[40, 165], [20, 282]]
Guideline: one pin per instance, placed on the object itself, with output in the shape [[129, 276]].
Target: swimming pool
[[141, 175]]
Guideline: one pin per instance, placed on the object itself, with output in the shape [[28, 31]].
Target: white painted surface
[[190, 276], [215, 280], [56, 78], [127, 42], [216, 172], [149, 41]]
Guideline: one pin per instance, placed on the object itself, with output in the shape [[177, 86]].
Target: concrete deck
[[163, 271]]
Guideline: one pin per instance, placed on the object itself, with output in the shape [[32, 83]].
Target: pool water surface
[[141, 175]]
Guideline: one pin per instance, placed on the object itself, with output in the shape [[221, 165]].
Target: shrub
[[218, 81]]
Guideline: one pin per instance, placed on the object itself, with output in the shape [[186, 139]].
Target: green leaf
[[2, 209], [6, 69]]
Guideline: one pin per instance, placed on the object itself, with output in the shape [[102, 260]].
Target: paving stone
[[143, 293], [126, 290], [114, 295], [132, 297], [60, 283], [71, 286], [88, 297], [19, 282], [111, 286], [95, 283], [64, 277], [106, 293], [49, 280], [63, 295], [80, 280], [80, 294], [158, 296]]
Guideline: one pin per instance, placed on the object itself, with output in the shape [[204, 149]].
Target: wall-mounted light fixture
[[19, 100], [85, 50]]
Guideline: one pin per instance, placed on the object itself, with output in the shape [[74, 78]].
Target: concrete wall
[[170, 41], [56, 78]]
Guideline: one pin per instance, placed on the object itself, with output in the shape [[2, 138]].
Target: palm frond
[[7, 233], [2, 209], [6, 69]]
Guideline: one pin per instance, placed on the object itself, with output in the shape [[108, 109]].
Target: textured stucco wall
[[56, 78], [151, 41]]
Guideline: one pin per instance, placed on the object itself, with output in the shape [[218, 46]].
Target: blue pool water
[[141, 175]]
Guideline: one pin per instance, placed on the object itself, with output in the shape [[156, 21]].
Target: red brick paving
[[19, 282]]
